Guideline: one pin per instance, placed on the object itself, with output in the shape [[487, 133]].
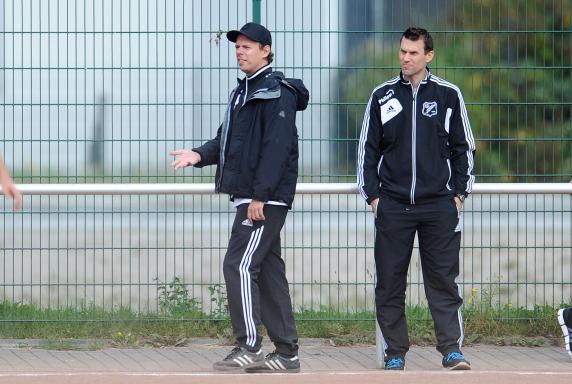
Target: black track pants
[[256, 283], [436, 224]]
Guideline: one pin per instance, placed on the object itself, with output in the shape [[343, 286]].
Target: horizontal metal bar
[[515, 140], [62, 68], [6, 103], [302, 188], [14, 31]]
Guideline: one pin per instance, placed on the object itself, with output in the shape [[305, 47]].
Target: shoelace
[[455, 356], [271, 355], [395, 362], [235, 351]]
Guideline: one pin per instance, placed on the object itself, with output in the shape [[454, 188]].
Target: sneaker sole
[[226, 368], [462, 366], [564, 331], [294, 370]]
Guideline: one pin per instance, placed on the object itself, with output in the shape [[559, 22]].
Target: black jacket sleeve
[[209, 151], [369, 151], [462, 145], [279, 135]]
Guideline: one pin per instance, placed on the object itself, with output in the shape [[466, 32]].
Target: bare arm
[[8, 188]]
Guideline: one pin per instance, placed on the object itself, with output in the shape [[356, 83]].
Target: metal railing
[[302, 188]]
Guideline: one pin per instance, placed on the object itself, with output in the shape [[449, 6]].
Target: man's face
[[413, 58], [249, 55]]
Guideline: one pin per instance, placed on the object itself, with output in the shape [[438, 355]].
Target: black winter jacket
[[415, 147], [256, 146]]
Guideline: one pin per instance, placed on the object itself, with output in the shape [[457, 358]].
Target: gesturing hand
[[11, 192], [184, 158]]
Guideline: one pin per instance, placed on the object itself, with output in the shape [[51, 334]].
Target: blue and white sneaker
[[395, 363], [275, 363], [566, 328], [238, 359], [455, 361]]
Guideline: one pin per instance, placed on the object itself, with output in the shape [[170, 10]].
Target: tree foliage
[[513, 63]]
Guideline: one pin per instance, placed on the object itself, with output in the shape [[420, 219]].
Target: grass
[[124, 328], [181, 317]]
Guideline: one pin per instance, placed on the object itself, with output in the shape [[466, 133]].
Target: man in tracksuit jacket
[[415, 169], [256, 152]]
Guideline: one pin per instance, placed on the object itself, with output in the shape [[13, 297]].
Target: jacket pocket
[[444, 144], [391, 136]]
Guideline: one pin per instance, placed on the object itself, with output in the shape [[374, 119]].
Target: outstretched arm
[[8, 188], [206, 154]]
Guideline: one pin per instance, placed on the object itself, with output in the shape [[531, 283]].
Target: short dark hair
[[270, 56], [415, 33]]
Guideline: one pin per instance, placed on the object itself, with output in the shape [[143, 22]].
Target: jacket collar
[[406, 81], [261, 73], [254, 86]]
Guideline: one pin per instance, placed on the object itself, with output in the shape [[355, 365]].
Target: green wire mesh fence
[[100, 91]]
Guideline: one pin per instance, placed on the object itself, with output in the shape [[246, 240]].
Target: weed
[[175, 300], [219, 309], [123, 339]]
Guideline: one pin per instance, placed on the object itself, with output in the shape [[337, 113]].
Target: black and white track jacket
[[415, 146]]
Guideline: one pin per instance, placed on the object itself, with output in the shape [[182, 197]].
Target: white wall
[[161, 67]]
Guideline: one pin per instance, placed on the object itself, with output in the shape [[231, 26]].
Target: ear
[[429, 56], [266, 50]]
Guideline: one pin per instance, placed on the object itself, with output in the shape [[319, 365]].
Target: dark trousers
[[436, 224], [256, 284]]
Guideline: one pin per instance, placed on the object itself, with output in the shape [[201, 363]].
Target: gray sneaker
[[238, 359], [275, 363], [566, 329]]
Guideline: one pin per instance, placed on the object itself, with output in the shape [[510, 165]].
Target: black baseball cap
[[253, 31]]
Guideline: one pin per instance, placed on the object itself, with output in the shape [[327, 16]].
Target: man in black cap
[[256, 152]]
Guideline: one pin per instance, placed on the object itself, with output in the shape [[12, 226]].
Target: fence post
[[256, 11]]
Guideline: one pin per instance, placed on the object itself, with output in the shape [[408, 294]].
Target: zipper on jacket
[[414, 144], [224, 137]]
